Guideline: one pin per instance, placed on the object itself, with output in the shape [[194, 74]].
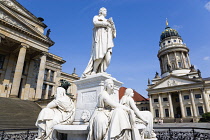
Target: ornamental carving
[[12, 6], [172, 83], [8, 19]]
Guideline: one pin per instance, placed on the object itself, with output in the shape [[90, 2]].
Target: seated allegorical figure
[[110, 119], [61, 110], [141, 117]]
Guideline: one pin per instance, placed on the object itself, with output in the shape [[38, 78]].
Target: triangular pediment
[[9, 17], [17, 8], [172, 81]]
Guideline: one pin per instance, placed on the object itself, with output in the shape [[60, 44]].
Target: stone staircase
[[18, 114]]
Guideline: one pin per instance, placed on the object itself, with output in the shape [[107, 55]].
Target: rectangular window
[[2, 57], [177, 99], [51, 76], [197, 95], [200, 110], [186, 97], [157, 113], [165, 99], [155, 100], [166, 112], [188, 110], [50, 91], [180, 64], [44, 87], [45, 74]]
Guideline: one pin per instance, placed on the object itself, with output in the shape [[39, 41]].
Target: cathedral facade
[[27, 70], [180, 92]]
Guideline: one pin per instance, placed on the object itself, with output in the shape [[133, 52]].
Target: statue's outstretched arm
[[136, 110]]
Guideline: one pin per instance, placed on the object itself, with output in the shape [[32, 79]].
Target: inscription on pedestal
[[89, 97]]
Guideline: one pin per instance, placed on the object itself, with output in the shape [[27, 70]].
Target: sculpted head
[[103, 11], [129, 92], [108, 84], [60, 92]]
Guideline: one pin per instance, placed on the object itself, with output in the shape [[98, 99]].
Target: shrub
[[205, 117]]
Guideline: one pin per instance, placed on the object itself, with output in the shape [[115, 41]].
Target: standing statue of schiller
[[103, 34]]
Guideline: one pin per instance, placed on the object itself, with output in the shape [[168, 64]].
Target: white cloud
[[207, 6], [177, 27], [206, 58]]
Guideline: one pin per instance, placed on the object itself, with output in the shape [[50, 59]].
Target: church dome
[[169, 32]]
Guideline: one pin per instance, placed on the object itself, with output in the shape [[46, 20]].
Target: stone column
[[18, 70], [160, 104], [177, 66], [168, 59], [7, 76], [183, 60], [29, 81], [150, 105], [40, 76], [171, 106], [193, 103], [181, 105], [189, 64], [205, 100]]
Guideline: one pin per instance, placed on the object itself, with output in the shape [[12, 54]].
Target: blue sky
[[139, 24]]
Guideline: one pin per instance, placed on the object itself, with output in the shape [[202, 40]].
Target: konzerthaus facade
[[27, 70]]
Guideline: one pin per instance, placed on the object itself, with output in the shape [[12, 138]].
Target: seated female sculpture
[[144, 117], [110, 119], [59, 111]]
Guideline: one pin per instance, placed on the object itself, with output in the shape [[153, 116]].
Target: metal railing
[[182, 133], [18, 134], [163, 133]]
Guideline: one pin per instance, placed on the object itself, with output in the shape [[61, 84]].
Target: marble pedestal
[[88, 90]]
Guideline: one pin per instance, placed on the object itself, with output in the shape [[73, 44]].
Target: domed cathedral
[[179, 93]]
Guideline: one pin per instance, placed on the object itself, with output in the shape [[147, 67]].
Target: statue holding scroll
[[102, 42]]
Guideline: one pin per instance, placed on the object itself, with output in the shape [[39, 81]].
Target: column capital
[[191, 90], [24, 45], [202, 89], [44, 53]]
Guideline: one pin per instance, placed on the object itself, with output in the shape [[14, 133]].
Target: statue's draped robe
[[107, 122], [102, 43], [146, 115], [62, 114]]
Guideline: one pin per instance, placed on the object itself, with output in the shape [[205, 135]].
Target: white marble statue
[[111, 120], [144, 117], [102, 42], [59, 111]]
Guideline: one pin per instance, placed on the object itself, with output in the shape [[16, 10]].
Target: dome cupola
[[173, 53], [169, 32]]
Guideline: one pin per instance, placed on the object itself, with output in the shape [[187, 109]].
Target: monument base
[[80, 132], [88, 90]]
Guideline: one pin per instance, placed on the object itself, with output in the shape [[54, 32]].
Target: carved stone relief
[[8, 19]]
